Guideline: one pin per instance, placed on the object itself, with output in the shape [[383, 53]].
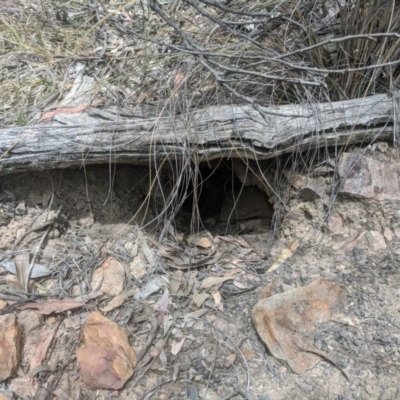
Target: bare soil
[[222, 356]]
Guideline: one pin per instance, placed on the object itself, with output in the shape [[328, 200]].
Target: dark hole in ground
[[214, 185], [222, 197]]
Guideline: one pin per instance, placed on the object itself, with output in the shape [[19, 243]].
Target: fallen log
[[103, 136]]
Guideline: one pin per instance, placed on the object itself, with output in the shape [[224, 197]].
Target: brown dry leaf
[[239, 285], [217, 298], [286, 253], [248, 353], [176, 347], [175, 281], [119, 299], [10, 342], [233, 272], [205, 243], [268, 289], [146, 249], [109, 277], [190, 283], [214, 281], [41, 351], [22, 262], [230, 360], [285, 322], [106, 359], [202, 239], [3, 304], [199, 299], [64, 110], [52, 306]]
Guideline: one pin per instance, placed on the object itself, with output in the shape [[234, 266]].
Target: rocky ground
[[181, 309]]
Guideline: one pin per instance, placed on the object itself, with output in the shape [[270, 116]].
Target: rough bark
[[260, 133]]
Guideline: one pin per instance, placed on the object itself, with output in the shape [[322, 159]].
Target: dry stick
[[50, 225], [35, 255], [368, 36]]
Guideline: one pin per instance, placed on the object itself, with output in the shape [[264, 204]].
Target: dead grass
[[196, 54]]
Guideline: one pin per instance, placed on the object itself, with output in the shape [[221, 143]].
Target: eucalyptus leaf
[[38, 270]]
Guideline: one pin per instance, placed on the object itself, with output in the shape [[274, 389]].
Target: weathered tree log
[[227, 131]]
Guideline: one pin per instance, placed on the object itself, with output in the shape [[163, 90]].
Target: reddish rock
[[106, 359], [10, 340], [285, 322], [29, 320], [335, 225], [388, 233], [366, 177], [376, 241]]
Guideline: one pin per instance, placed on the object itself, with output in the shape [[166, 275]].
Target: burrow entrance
[[215, 195]]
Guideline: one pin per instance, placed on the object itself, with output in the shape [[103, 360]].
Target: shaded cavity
[[223, 197]]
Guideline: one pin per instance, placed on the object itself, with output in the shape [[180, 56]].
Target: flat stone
[[10, 342], [366, 177], [314, 189], [106, 358], [376, 241], [336, 226], [29, 320], [388, 234], [286, 321]]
